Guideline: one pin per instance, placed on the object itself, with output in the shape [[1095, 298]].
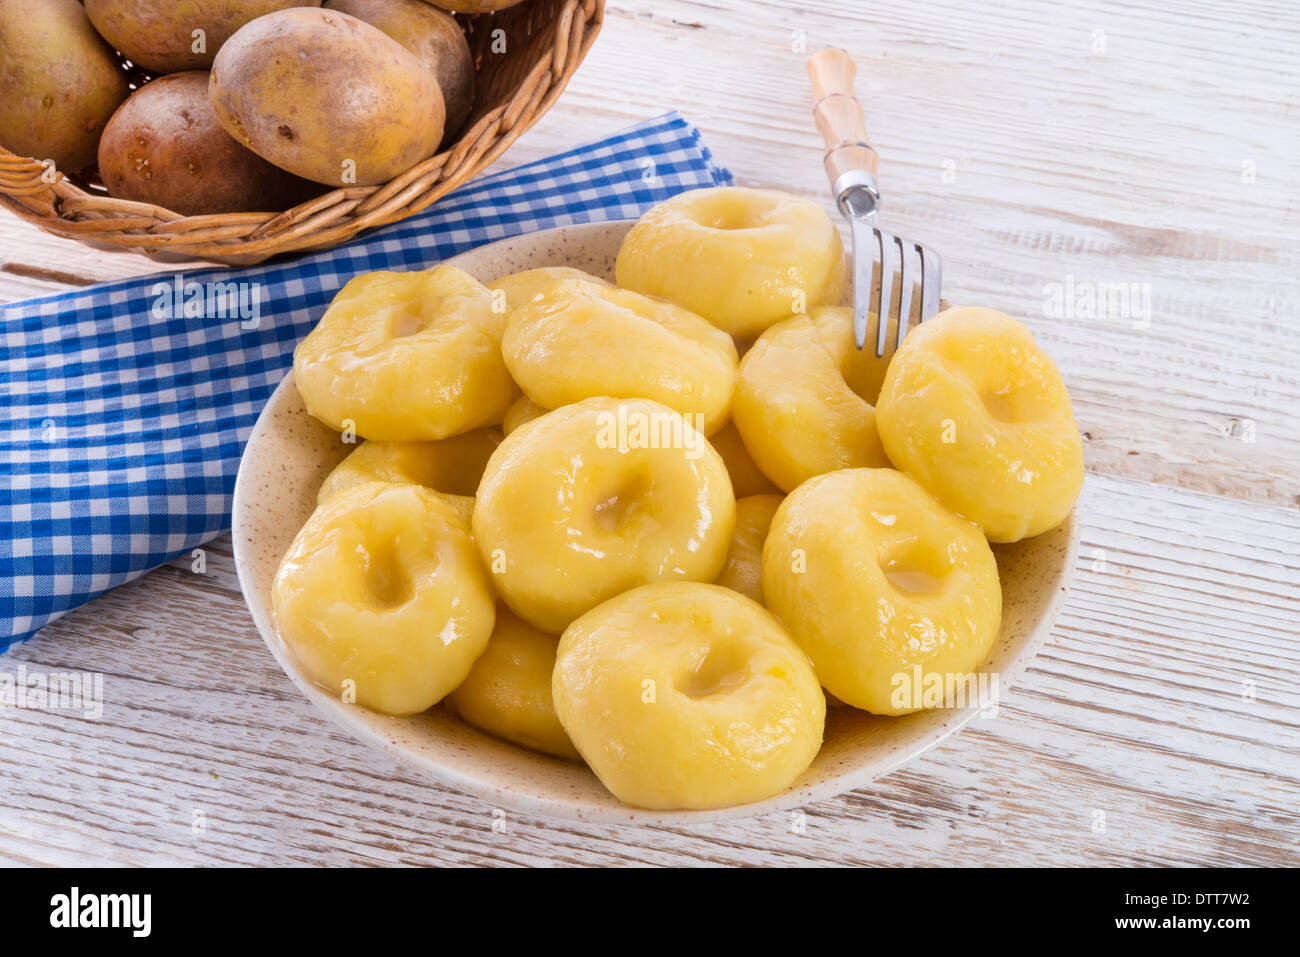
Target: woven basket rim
[[65, 209]]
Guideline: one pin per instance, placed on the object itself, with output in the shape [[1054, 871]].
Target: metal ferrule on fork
[[878, 256]]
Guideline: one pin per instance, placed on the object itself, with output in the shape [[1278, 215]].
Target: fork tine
[[887, 244], [931, 277], [905, 274], [864, 260]]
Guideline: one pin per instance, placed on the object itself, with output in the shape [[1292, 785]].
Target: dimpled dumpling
[[977, 413], [874, 579], [687, 695], [741, 258], [383, 595], [804, 397], [407, 357], [578, 339], [598, 497]]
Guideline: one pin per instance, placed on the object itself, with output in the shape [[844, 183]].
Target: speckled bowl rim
[[523, 252]]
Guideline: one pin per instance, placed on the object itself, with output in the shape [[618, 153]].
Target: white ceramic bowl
[[290, 453]]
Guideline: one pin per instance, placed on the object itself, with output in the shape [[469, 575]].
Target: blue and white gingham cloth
[[123, 427]]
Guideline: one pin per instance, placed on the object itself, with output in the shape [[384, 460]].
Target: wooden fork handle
[[839, 114]]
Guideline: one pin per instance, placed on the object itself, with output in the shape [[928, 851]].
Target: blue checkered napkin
[[125, 420]]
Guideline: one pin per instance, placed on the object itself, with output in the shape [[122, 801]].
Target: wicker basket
[[546, 40]]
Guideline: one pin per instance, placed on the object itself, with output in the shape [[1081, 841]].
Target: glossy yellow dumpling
[[508, 691], [685, 695], [977, 413], [452, 465], [744, 569], [741, 258], [518, 288], [576, 339], [407, 357], [596, 498], [803, 402], [874, 578], [746, 477], [382, 595], [522, 411]]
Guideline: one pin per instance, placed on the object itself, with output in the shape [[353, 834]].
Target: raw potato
[[164, 146], [434, 37], [328, 97], [475, 6], [59, 82], [159, 36]]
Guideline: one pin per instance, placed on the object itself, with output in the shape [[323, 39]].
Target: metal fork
[[879, 258]]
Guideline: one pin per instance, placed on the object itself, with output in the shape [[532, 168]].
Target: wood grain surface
[[1100, 146]]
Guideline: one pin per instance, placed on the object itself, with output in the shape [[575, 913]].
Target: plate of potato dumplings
[[611, 522]]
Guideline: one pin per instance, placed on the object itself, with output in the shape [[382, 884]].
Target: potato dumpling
[[407, 357], [746, 477], [741, 258], [508, 691], [522, 411], [382, 594], [874, 578], [804, 395], [977, 413], [518, 288], [453, 465], [743, 571], [596, 498], [576, 339], [686, 695]]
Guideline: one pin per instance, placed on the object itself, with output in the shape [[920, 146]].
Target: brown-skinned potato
[[475, 6], [159, 36], [434, 37], [327, 97], [165, 146], [59, 82]]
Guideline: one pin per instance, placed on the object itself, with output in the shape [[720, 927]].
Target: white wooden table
[[1032, 145]]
